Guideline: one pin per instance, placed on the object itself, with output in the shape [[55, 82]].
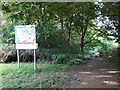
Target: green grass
[[46, 75]]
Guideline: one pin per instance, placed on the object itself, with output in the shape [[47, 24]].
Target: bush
[[62, 58], [43, 54], [8, 34], [76, 62], [115, 58], [9, 54], [87, 57], [71, 59]]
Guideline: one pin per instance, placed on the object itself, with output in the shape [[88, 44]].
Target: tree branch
[[19, 3], [88, 41], [90, 38], [97, 29]]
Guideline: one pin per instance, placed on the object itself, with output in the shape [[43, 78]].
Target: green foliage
[[46, 30], [57, 40], [62, 59], [43, 61], [111, 10], [71, 59], [106, 50], [64, 48], [114, 58], [61, 28], [76, 62], [87, 57], [46, 15], [8, 34]]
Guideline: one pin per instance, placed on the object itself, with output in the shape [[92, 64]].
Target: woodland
[[67, 33]]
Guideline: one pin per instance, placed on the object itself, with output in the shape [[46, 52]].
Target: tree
[[111, 12], [85, 13], [72, 17]]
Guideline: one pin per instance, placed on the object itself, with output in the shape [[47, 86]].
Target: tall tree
[[85, 13]]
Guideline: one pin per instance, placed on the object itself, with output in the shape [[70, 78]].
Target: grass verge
[[46, 75]]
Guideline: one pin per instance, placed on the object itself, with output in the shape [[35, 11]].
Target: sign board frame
[[25, 38]]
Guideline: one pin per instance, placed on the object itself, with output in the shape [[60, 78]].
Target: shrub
[[44, 54], [9, 54], [76, 62], [62, 59], [71, 59], [87, 57], [115, 58], [8, 34]]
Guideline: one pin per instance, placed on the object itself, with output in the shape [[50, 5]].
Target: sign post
[[25, 38], [34, 60], [18, 58]]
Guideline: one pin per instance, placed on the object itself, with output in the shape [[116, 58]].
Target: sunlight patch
[[101, 76], [86, 72], [113, 72], [84, 83], [111, 82]]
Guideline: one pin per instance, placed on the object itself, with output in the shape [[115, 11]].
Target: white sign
[[27, 46], [25, 34]]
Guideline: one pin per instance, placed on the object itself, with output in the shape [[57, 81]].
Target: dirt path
[[97, 73]]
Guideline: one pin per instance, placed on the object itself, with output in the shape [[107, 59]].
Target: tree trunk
[[82, 44], [82, 50], [83, 35], [43, 41], [69, 33]]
